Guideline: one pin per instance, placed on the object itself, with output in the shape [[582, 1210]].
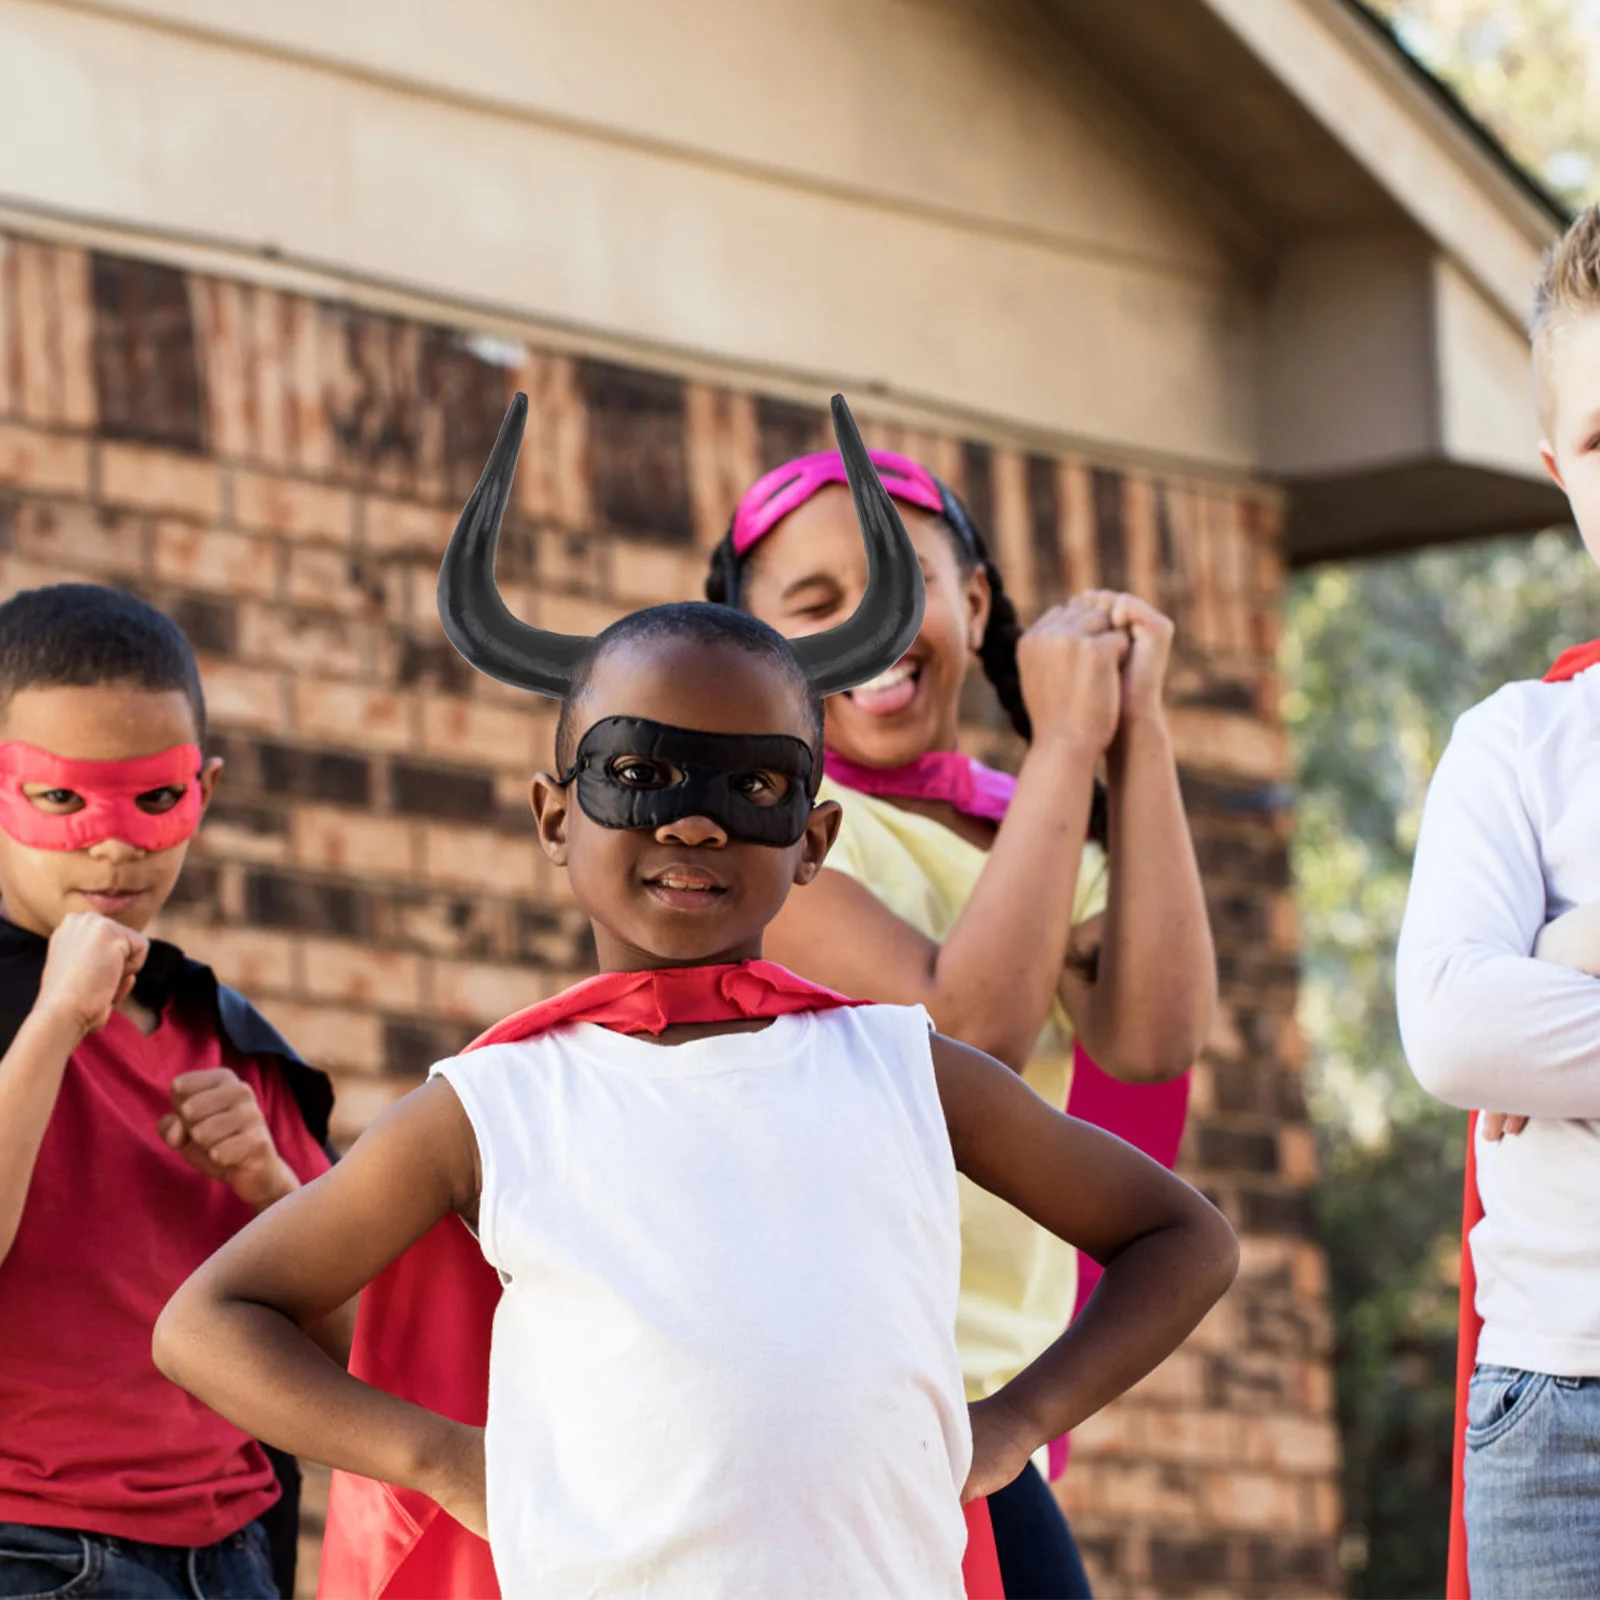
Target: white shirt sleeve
[[1485, 1026]]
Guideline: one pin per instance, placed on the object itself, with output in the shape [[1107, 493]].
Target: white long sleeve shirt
[[1511, 839]]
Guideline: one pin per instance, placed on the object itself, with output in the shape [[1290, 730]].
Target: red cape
[[1568, 665], [423, 1328]]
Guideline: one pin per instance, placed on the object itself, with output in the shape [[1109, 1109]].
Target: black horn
[[474, 616], [886, 622]]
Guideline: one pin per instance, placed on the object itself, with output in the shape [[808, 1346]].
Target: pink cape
[[423, 1328]]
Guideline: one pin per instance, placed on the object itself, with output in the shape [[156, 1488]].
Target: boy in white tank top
[[721, 1202]]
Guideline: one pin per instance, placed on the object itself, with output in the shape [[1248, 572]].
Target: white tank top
[[724, 1364]]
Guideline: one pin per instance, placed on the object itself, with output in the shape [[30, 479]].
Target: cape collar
[[655, 1000]]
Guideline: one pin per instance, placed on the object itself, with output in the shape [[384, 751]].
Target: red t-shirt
[[91, 1435]]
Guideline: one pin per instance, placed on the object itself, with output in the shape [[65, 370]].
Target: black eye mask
[[636, 774]]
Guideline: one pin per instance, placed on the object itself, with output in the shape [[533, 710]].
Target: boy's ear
[[549, 803], [1548, 456], [210, 772], [821, 831]]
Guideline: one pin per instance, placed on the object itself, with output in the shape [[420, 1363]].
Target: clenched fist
[[1144, 670], [89, 969], [216, 1125], [1070, 666]]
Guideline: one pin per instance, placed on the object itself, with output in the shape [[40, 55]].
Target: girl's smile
[[890, 692]]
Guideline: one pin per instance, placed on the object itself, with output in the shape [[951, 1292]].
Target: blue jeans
[[1533, 1486], [58, 1564]]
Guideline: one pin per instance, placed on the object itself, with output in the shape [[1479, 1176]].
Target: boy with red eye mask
[[146, 1114]]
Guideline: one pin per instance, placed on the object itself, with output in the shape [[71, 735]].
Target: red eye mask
[[109, 791]]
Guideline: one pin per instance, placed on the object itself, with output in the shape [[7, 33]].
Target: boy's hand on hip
[[461, 1485], [216, 1125], [89, 969], [1002, 1442]]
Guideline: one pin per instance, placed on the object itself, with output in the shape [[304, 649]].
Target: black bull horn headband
[[478, 624]]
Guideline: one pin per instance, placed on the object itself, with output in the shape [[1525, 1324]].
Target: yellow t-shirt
[[1018, 1282]]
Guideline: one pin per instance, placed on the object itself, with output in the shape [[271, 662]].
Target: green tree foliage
[[1380, 658]]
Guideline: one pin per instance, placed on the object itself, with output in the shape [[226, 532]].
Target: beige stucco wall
[[935, 198], [942, 203]]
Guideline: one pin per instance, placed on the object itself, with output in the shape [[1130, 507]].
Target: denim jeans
[[1533, 1486], [58, 1564]]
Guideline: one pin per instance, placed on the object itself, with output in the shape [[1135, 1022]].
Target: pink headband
[[110, 792], [771, 498]]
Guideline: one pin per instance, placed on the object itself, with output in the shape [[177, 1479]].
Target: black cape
[[169, 977]]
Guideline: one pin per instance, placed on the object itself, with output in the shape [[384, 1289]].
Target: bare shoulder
[[426, 1137]]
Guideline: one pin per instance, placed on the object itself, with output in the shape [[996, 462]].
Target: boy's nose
[[692, 831], [114, 850]]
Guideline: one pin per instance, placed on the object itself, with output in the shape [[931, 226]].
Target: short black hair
[[704, 623], [81, 634]]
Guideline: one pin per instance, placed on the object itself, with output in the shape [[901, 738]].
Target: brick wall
[[282, 474]]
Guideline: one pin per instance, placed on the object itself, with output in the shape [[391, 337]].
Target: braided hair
[[997, 650]]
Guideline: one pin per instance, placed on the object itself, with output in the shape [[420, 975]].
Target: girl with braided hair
[[1037, 918]]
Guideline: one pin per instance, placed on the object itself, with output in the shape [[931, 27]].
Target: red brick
[[568, 424], [331, 579], [356, 842], [1119, 1430], [160, 480], [196, 557], [467, 730], [266, 331], [36, 325], [311, 645], [242, 697], [570, 613], [1251, 1501], [649, 575], [359, 1103], [1220, 741], [394, 526], [293, 507], [253, 960], [1287, 1444], [388, 979], [77, 536], [478, 858], [1297, 1156], [1180, 1380], [8, 323], [308, 417], [1192, 1437], [1325, 1512], [236, 839], [477, 991], [330, 1037], [216, 308], [347, 713], [1010, 537], [1078, 537], [47, 461], [723, 443], [75, 338]]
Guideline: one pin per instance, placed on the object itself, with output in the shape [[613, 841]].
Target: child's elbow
[[170, 1339], [1216, 1253]]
